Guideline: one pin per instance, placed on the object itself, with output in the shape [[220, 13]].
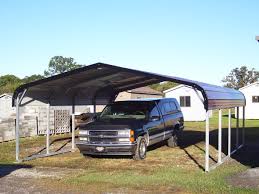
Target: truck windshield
[[127, 110]]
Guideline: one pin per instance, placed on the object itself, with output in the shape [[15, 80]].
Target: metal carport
[[99, 84]]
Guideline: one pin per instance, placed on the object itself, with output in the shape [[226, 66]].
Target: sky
[[199, 40]]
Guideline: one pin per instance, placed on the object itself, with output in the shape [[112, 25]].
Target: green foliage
[[59, 64], [240, 77], [8, 83], [4, 80], [163, 86], [32, 78]]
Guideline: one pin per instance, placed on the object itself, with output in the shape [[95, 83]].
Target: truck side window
[[154, 112], [173, 107], [166, 108]]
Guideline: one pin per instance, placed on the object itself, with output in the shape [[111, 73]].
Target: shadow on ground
[[8, 169], [248, 155], [65, 140]]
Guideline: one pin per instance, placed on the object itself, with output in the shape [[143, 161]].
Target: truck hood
[[114, 124]]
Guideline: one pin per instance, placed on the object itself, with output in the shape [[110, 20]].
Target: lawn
[[172, 170]]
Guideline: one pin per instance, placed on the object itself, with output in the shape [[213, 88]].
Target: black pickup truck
[[128, 127]]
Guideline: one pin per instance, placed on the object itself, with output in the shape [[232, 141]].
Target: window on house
[[255, 99], [185, 101]]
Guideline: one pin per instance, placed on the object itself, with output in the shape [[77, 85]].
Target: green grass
[[172, 170]]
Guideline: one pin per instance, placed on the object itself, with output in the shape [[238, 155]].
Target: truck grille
[[107, 137], [102, 140], [104, 133]]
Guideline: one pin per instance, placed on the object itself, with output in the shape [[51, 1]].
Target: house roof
[[249, 85], [6, 94], [100, 84], [145, 90], [175, 88]]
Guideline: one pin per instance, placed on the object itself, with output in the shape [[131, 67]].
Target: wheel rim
[[142, 149]]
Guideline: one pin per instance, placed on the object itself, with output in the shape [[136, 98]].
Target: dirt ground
[[29, 178], [247, 179], [24, 179]]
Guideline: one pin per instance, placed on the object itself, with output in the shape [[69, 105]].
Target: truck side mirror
[[95, 117], [154, 118]]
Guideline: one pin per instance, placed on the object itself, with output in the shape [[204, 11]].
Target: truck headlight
[[83, 132], [123, 139], [83, 138], [124, 133]]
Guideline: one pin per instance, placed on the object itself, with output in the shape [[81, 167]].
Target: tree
[[8, 83], [60, 64], [32, 78], [163, 86], [240, 77]]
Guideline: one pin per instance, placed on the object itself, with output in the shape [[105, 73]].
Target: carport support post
[[73, 131], [207, 143], [220, 138], [17, 129], [47, 138], [17, 125], [243, 129], [94, 107], [229, 132], [237, 129]]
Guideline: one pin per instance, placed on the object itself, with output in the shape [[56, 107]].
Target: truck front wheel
[[174, 141], [141, 149]]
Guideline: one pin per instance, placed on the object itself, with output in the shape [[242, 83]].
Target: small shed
[[191, 102], [6, 105], [138, 93], [251, 93], [34, 117]]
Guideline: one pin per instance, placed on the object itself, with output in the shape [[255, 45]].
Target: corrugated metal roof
[[100, 83]]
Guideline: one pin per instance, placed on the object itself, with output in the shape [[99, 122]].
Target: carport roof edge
[[100, 83]]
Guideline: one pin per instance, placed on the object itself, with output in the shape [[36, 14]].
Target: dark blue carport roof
[[100, 83]]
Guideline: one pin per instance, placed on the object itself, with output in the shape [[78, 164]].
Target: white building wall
[[196, 111], [33, 117], [6, 108], [251, 109]]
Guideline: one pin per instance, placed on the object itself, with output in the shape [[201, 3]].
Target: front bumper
[[106, 149]]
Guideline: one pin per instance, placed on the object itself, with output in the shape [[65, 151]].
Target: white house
[[251, 93], [190, 100]]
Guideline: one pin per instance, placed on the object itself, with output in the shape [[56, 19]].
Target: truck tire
[[175, 140], [141, 149]]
